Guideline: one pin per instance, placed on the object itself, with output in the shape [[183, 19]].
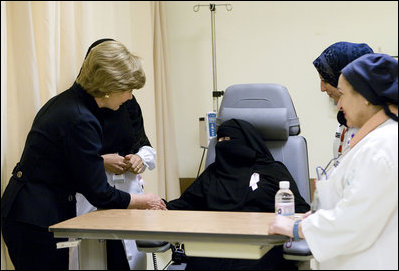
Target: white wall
[[266, 42]]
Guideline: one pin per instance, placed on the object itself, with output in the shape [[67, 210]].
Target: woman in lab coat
[[356, 226], [329, 65]]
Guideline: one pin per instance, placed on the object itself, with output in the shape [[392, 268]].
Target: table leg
[[92, 254]]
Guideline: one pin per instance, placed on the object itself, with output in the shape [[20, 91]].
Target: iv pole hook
[[212, 7], [229, 7]]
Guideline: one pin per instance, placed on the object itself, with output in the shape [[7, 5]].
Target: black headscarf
[[97, 42], [123, 129], [224, 185]]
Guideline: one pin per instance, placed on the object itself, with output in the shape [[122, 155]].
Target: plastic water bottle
[[285, 201]]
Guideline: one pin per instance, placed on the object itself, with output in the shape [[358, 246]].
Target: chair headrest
[[271, 122], [266, 106]]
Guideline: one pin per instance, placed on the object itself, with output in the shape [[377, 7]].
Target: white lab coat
[[128, 182], [357, 225]]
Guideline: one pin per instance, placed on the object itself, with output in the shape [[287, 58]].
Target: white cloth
[[346, 140], [358, 225], [128, 182]]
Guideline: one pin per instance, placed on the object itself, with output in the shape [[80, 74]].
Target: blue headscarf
[[375, 77], [333, 59]]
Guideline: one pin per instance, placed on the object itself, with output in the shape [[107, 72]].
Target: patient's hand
[[146, 201]]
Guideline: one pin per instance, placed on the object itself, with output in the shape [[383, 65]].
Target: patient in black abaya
[[244, 177]]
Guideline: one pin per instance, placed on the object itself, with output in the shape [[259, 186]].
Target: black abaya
[[225, 186]]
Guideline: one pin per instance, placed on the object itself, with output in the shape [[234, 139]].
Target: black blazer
[[62, 156]]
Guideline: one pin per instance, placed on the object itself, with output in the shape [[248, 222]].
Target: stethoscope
[[333, 163]]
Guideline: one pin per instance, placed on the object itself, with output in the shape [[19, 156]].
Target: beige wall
[[267, 42], [128, 22]]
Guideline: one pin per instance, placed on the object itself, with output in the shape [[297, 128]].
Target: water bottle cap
[[284, 184]]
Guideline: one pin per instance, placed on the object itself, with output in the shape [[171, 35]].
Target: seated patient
[[225, 186]]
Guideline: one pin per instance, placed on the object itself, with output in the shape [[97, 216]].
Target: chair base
[[293, 257], [152, 246], [181, 266]]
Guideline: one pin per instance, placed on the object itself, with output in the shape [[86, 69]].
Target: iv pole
[[215, 93]]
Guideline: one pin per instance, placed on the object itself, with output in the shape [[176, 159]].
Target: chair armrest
[[297, 250]]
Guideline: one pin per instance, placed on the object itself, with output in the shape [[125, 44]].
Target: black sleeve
[[137, 123], [82, 148], [193, 198]]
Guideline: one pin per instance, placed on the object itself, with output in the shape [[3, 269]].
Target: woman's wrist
[[132, 202], [295, 230], [288, 227]]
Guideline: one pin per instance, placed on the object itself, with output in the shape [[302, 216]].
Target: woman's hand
[[115, 163], [281, 225], [146, 201], [137, 165]]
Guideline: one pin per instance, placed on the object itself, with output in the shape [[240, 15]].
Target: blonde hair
[[110, 67]]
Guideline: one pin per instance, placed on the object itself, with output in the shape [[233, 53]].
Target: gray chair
[[270, 109], [153, 247]]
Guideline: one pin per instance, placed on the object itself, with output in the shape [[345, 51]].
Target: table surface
[[173, 226]]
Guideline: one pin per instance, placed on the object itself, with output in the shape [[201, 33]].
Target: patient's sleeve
[[193, 198]]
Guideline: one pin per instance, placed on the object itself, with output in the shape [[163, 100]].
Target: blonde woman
[[62, 156], [127, 153]]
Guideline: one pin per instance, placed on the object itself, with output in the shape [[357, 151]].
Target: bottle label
[[285, 209]]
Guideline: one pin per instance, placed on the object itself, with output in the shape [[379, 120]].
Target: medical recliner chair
[[270, 109]]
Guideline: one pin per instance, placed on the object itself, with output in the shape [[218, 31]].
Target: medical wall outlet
[[207, 128]]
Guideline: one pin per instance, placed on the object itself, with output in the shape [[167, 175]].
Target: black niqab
[[225, 184]]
